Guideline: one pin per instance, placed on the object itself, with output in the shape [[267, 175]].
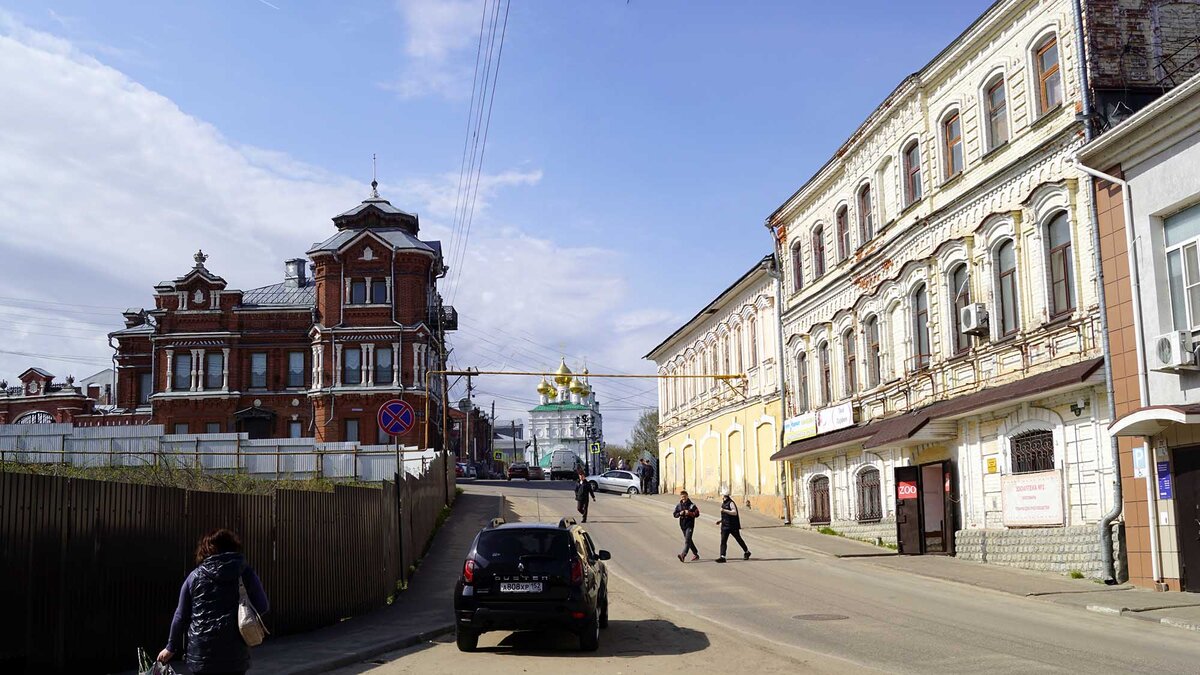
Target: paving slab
[[1010, 580]]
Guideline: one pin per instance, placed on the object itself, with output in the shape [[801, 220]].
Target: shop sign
[[835, 417], [906, 489], [991, 465], [799, 428], [1164, 480], [1032, 499]]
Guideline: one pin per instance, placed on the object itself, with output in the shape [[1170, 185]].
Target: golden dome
[[577, 386], [545, 388], [563, 375], [584, 389]]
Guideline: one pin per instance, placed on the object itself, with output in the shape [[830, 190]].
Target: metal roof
[[395, 237], [135, 330], [281, 294], [379, 203]]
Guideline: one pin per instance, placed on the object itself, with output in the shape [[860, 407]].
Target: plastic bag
[[148, 667]]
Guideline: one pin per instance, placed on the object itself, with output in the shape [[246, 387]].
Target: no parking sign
[[396, 417]]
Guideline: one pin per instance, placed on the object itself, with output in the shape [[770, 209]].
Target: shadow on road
[[622, 638]]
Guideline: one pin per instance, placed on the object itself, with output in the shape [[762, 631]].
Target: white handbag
[[249, 622]]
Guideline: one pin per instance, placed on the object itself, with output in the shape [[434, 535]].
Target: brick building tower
[[358, 322]]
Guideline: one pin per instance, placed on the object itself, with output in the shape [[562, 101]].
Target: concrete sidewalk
[[1179, 610], [424, 611]]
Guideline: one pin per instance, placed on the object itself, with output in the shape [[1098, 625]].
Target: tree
[[643, 441]]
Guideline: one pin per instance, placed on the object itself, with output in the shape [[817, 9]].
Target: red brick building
[[358, 322], [38, 399]]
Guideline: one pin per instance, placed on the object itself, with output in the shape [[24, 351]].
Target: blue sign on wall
[[1164, 480]]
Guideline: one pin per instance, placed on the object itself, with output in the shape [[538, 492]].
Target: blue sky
[[635, 149]]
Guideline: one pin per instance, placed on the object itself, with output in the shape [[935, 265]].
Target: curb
[[376, 649]]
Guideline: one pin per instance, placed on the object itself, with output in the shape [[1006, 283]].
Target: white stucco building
[[567, 418]]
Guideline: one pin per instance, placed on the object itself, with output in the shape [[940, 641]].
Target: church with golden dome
[[567, 417]]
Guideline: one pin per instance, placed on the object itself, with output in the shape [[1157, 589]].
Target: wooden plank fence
[[91, 570]]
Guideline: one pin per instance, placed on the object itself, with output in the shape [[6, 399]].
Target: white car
[[616, 481]]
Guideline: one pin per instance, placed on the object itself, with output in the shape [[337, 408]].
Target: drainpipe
[[1106, 544], [776, 273]]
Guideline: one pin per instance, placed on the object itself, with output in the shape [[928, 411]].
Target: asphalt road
[[784, 609]]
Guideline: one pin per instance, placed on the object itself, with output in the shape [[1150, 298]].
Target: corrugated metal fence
[[91, 570]]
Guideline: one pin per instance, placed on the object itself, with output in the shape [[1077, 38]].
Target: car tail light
[[469, 571], [576, 571]]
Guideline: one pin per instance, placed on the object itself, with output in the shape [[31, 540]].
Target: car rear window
[[512, 544]]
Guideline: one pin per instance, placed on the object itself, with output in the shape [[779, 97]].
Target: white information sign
[[1032, 499], [835, 417], [799, 427], [1139, 461]]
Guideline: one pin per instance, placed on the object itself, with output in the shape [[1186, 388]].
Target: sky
[[633, 152]]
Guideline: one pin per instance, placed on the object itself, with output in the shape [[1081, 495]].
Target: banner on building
[[1032, 499], [799, 428], [835, 417]]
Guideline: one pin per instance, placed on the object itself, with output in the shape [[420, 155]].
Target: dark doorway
[[925, 508], [819, 501], [256, 427], [1187, 513]]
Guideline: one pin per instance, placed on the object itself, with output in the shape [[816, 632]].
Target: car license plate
[[521, 587]]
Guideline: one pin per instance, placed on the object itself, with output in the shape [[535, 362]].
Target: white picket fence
[[219, 453]]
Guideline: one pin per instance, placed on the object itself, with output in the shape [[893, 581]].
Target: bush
[[1075, 574], [188, 478]]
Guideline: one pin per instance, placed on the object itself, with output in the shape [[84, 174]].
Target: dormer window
[[369, 291]]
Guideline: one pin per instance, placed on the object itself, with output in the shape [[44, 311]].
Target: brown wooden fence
[[91, 570]]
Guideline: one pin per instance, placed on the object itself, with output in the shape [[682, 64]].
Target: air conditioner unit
[[1174, 351], [974, 319]]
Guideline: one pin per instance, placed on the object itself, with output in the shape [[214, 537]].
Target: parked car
[[472, 472], [531, 576], [518, 470], [460, 470], [537, 473], [616, 481]]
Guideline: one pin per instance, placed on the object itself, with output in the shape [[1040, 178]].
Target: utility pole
[[512, 425], [467, 442]]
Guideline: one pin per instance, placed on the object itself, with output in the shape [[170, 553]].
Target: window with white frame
[[866, 222], [912, 172], [952, 145], [1049, 77], [1006, 291], [871, 339], [1182, 236], [1060, 265], [797, 267], [960, 297], [920, 311], [826, 373], [752, 333], [849, 363], [802, 403], [818, 251], [843, 233]]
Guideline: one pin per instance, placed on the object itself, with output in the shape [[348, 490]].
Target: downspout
[[1107, 558], [776, 272]]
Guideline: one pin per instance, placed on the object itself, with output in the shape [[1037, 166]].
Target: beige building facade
[[714, 433]]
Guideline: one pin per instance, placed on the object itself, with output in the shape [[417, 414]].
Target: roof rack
[[495, 522], [567, 521]]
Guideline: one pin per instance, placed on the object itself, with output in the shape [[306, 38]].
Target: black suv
[[530, 576]]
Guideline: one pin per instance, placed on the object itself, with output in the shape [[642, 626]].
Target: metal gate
[[818, 501]]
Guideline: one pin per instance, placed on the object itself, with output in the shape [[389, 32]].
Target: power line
[[462, 170]]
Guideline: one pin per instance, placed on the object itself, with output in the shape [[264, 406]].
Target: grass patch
[[825, 529], [458, 492], [1075, 574], [185, 477]]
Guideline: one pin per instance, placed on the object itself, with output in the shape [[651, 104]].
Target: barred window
[[870, 503], [819, 500], [1032, 451]]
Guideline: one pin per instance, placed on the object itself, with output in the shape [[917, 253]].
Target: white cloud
[[440, 44], [108, 187]]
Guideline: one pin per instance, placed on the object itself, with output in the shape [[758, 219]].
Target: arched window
[[818, 499], [960, 297], [866, 222], [920, 310], [802, 404], [1049, 86], [995, 112], [1031, 451], [1062, 287], [843, 233], [870, 497], [797, 267], [849, 363], [737, 347], [826, 374], [752, 332], [952, 145], [1006, 279], [871, 338], [912, 172], [818, 251], [725, 356]]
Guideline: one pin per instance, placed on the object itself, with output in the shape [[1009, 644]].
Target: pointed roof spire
[[200, 258], [374, 179]]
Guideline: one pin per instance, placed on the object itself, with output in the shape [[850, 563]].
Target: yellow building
[[713, 433]]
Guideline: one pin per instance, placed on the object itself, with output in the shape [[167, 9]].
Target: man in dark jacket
[[583, 490], [648, 478], [731, 525], [687, 513]]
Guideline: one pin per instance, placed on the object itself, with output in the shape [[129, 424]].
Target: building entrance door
[[1187, 512], [925, 508]]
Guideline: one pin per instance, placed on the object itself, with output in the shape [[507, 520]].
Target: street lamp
[[587, 423]]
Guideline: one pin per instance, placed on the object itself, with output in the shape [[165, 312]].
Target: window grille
[[819, 501], [1032, 451], [870, 506]]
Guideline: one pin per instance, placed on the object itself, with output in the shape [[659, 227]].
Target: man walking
[[648, 484], [583, 490], [687, 513], [731, 525]]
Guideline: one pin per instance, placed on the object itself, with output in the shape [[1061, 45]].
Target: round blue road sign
[[396, 417]]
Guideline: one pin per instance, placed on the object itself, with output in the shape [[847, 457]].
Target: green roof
[[551, 407]]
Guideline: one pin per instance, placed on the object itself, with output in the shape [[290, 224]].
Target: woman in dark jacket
[[208, 608]]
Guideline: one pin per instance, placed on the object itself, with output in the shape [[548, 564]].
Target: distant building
[[566, 418], [38, 399], [314, 355]]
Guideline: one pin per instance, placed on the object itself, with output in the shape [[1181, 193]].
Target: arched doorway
[[35, 417], [818, 501]]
